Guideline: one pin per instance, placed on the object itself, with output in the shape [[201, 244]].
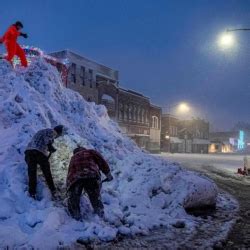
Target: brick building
[[170, 141], [137, 117], [195, 133], [184, 136]]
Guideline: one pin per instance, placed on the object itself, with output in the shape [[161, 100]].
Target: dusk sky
[[166, 49]]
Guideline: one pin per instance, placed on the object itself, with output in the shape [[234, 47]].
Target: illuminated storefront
[[229, 142]]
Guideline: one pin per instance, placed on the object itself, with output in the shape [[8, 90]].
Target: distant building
[[184, 136], [170, 141], [195, 133], [230, 142], [137, 117]]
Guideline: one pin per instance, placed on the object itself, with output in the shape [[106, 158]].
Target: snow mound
[[147, 191]]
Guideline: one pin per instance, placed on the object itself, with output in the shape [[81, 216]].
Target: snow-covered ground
[[147, 191], [222, 162]]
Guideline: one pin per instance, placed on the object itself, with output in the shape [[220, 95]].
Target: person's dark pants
[[92, 186], [34, 158]]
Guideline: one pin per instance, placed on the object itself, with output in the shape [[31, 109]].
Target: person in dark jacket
[[84, 173], [36, 153]]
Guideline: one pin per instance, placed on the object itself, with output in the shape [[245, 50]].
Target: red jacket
[[87, 163], [10, 35]]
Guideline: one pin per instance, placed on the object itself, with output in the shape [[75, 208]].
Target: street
[[221, 162], [222, 169]]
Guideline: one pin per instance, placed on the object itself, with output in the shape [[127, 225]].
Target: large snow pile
[[147, 191]]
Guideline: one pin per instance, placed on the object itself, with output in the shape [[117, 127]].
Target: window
[[130, 112], [173, 131], [125, 112], [143, 116], [138, 114], [82, 75], [146, 116], [135, 113], [73, 73], [121, 112], [90, 78], [155, 122]]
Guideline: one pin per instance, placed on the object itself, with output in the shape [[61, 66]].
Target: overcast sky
[[165, 49]]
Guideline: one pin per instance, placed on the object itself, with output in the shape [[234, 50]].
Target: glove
[[109, 177], [51, 149], [24, 35]]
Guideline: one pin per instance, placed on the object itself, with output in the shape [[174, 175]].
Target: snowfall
[[147, 191]]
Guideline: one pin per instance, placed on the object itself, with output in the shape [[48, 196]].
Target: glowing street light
[[226, 40], [183, 107]]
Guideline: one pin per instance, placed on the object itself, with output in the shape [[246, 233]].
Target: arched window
[[108, 98], [155, 122]]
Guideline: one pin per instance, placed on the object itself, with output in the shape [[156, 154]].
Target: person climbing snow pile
[[84, 173], [37, 154], [10, 41]]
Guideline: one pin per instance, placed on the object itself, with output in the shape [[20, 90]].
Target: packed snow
[[146, 192], [227, 163]]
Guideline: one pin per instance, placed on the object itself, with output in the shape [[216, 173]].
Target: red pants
[[14, 49]]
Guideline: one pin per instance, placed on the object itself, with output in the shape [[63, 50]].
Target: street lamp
[[181, 107], [226, 40]]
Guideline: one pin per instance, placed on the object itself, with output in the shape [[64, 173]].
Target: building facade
[[230, 142], [84, 75], [170, 141], [134, 113], [184, 136], [195, 133]]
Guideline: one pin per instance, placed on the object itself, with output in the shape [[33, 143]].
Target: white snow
[[227, 163], [147, 191]]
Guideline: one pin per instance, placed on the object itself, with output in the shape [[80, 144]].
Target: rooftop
[[66, 51]]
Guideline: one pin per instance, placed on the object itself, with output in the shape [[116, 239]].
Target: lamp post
[[242, 29], [227, 40]]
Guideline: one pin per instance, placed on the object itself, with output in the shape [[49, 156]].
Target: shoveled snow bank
[[147, 191]]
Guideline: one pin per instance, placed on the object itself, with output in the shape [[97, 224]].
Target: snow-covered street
[[228, 163], [222, 169]]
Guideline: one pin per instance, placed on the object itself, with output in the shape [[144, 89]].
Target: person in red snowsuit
[[12, 47]]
